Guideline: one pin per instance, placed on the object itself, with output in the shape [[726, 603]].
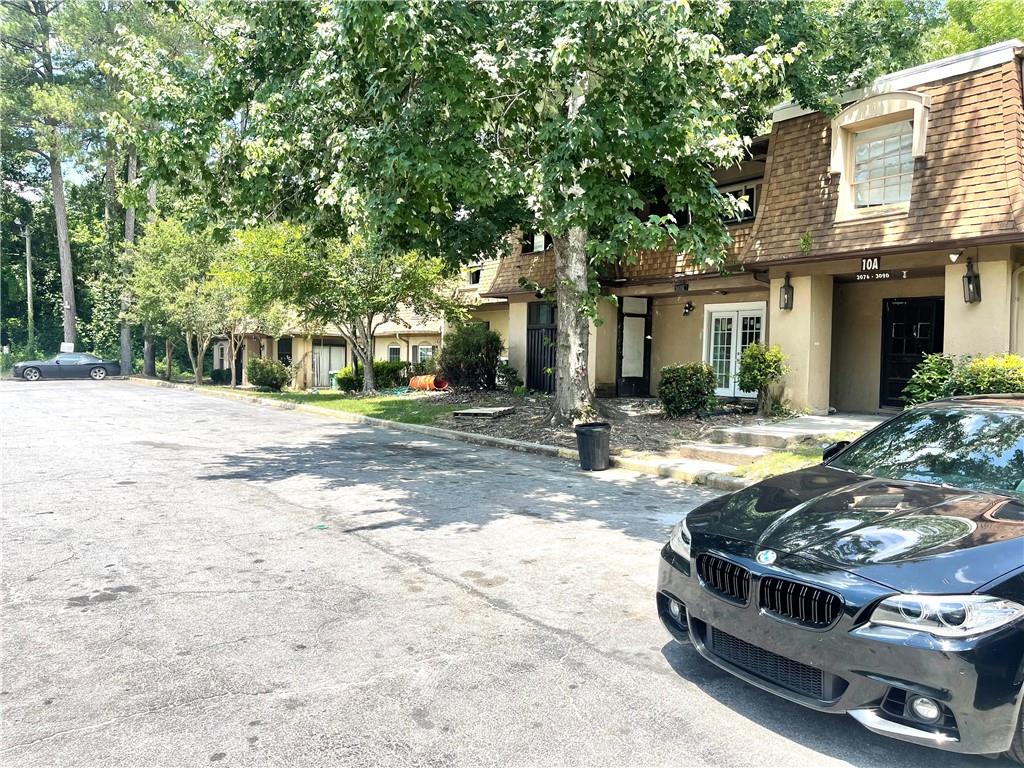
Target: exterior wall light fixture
[[786, 295], [687, 308], [972, 284]]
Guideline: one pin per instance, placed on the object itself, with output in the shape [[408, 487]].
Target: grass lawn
[[779, 462], [790, 459], [407, 409]]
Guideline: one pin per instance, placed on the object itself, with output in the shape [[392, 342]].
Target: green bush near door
[[386, 375], [686, 389], [268, 373], [942, 376]]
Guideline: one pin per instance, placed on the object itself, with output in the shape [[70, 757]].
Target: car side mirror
[[833, 449]]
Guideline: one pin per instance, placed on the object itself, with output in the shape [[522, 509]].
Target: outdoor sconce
[[786, 294], [687, 308], [972, 284]]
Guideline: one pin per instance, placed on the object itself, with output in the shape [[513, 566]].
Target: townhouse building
[[892, 229]]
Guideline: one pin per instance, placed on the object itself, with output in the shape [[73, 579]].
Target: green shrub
[[220, 375], [19, 355], [423, 368], [386, 375], [469, 357], [347, 381], [929, 380], [995, 374], [687, 388], [520, 389], [268, 373], [761, 367], [508, 377]]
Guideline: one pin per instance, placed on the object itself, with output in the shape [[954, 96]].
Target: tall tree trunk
[[129, 239], [110, 190], [369, 380], [151, 201], [573, 397], [168, 358], [232, 354], [197, 372], [67, 277], [148, 353], [148, 347]]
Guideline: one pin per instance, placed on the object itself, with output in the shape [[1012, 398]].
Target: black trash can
[[592, 440]]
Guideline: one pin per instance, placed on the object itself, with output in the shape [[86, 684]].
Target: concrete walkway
[[799, 429]]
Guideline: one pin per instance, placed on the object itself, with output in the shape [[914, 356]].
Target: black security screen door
[[541, 345], [633, 369], [911, 329]]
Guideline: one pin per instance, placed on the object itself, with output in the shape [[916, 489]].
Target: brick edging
[[643, 466]]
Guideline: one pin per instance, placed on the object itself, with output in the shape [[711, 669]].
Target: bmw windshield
[[963, 446]]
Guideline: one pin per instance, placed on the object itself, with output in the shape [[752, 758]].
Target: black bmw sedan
[[68, 365], [886, 583]]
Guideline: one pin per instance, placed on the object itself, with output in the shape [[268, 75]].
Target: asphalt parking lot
[[190, 580]]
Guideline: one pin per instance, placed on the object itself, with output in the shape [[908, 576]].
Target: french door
[[326, 358], [728, 331]]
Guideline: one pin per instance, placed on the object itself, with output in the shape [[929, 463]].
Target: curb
[[647, 467]]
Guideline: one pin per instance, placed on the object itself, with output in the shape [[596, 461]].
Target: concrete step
[[695, 471], [733, 454], [753, 437]]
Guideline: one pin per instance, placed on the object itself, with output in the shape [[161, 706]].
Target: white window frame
[[880, 135], [874, 112], [737, 308], [475, 270], [743, 186], [419, 353]]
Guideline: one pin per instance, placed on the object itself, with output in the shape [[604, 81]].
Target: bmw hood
[[905, 535]]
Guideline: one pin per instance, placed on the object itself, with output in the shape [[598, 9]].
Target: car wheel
[[30, 374], [97, 373], [1016, 750]]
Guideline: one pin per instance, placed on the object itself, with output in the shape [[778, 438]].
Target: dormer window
[[747, 192], [875, 142], [535, 242], [883, 165], [473, 276]]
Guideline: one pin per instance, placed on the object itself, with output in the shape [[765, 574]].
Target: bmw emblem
[[766, 556]]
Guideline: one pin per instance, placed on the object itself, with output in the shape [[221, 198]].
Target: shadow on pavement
[[418, 477]]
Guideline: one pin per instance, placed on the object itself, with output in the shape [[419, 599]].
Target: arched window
[[874, 144]]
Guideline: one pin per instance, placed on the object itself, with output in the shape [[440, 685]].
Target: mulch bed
[[638, 424]]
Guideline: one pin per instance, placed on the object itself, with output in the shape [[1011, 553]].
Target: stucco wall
[[857, 337], [605, 342], [497, 318], [517, 333], [982, 328], [805, 335], [678, 339], [405, 343]]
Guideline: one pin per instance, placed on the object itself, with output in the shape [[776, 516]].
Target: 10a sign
[[871, 269]]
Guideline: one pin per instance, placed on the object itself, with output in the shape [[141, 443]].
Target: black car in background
[[68, 365], [886, 583]]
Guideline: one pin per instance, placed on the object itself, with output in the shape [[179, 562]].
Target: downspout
[[1015, 314]]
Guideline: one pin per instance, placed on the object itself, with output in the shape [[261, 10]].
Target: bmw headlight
[[946, 615], [680, 540]]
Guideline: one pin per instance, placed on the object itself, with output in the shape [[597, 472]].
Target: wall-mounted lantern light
[[786, 294], [972, 284], [687, 308]]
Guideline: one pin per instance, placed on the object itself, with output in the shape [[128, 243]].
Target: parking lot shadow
[[426, 483]]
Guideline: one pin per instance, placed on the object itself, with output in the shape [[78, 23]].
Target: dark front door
[[238, 363], [541, 346], [633, 368], [911, 329]]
